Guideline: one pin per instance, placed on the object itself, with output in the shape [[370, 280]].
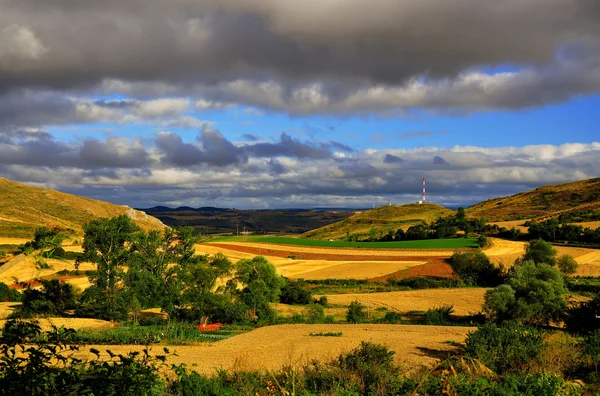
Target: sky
[[298, 104]]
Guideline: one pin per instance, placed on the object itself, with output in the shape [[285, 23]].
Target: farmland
[[449, 243]]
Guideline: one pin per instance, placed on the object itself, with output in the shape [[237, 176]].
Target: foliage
[[356, 312], [327, 334], [8, 295], [49, 366], [475, 269], [540, 251], [582, 318], [532, 294], [483, 241], [567, 264], [105, 244], [262, 285], [55, 298], [295, 292], [438, 316], [510, 347], [314, 313]]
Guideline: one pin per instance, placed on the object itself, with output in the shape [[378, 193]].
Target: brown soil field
[[465, 300], [73, 323], [434, 268], [271, 347]]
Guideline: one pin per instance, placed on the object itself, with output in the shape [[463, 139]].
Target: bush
[[540, 251], [508, 348], [314, 313], [475, 269], [356, 312], [483, 241], [438, 316], [567, 264], [8, 295], [582, 318], [392, 318], [533, 293], [295, 292]]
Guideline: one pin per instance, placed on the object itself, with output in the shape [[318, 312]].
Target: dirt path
[[464, 300], [271, 347]]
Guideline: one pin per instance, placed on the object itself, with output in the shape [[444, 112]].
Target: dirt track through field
[[464, 300], [271, 347]]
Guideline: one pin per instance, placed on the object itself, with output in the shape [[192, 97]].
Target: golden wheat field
[[318, 269], [464, 300], [23, 269], [72, 323], [271, 347]]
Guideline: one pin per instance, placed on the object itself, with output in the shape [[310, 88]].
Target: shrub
[[540, 251], [438, 316], [314, 313], [582, 318], [392, 318], [356, 312], [533, 293], [295, 292], [483, 241], [475, 269], [567, 264], [507, 348], [8, 295]]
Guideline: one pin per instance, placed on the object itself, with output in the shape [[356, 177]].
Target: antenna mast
[[424, 196]]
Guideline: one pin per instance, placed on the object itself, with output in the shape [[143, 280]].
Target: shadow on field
[[441, 354]]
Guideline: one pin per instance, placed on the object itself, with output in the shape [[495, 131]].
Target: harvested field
[[343, 254], [271, 347], [23, 268], [434, 268], [73, 323], [6, 308], [13, 241], [518, 224], [344, 270], [464, 300], [504, 252]]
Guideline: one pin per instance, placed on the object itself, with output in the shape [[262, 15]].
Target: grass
[[173, 333], [449, 243]]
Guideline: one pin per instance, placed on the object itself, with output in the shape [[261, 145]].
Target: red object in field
[[209, 327]]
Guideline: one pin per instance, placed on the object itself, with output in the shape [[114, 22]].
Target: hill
[[581, 198], [382, 219], [24, 208], [221, 221]]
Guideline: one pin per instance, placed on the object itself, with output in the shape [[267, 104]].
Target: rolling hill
[[543, 202], [382, 219], [24, 208]]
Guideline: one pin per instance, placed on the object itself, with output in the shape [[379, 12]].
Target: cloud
[[409, 135], [392, 159], [315, 59], [287, 146], [437, 160], [250, 137]]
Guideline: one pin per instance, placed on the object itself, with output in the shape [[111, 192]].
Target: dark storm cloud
[[317, 57], [392, 159], [276, 168], [287, 146], [437, 160], [341, 146], [250, 137]]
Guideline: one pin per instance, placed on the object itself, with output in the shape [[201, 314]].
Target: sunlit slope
[[382, 219], [25, 208], [543, 202]]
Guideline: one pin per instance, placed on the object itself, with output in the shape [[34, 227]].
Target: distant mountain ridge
[[24, 208]]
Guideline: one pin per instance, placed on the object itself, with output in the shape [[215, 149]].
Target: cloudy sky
[[286, 103]]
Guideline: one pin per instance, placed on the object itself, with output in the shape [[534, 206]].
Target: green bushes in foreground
[[367, 370]]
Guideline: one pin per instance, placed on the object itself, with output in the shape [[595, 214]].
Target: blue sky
[[264, 104]]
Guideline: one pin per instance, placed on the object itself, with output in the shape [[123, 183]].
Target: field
[[464, 300], [272, 347], [450, 243]]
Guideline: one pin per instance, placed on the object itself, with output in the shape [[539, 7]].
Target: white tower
[[424, 196]]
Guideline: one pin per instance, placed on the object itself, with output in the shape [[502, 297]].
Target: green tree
[[540, 251], [475, 269], [261, 283], [533, 293], [372, 234], [356, 312], [106, 243], [567, 264]]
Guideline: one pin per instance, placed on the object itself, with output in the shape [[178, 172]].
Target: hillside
[[382, 219], [25, 208], [543, 203], [220, 221]]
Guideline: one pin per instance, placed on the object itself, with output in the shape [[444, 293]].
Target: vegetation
[[451, 243], [356, 313], [8, 295], [475, 269], [327, 334]]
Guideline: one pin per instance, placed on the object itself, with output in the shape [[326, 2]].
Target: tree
[[356, 312], [106, 243], [475, 269], [567, 264], [372, 234], [540, 251], [399, 234], [533, 293], [262, 285]]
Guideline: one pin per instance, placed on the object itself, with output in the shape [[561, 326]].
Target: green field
[[450, 243]]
